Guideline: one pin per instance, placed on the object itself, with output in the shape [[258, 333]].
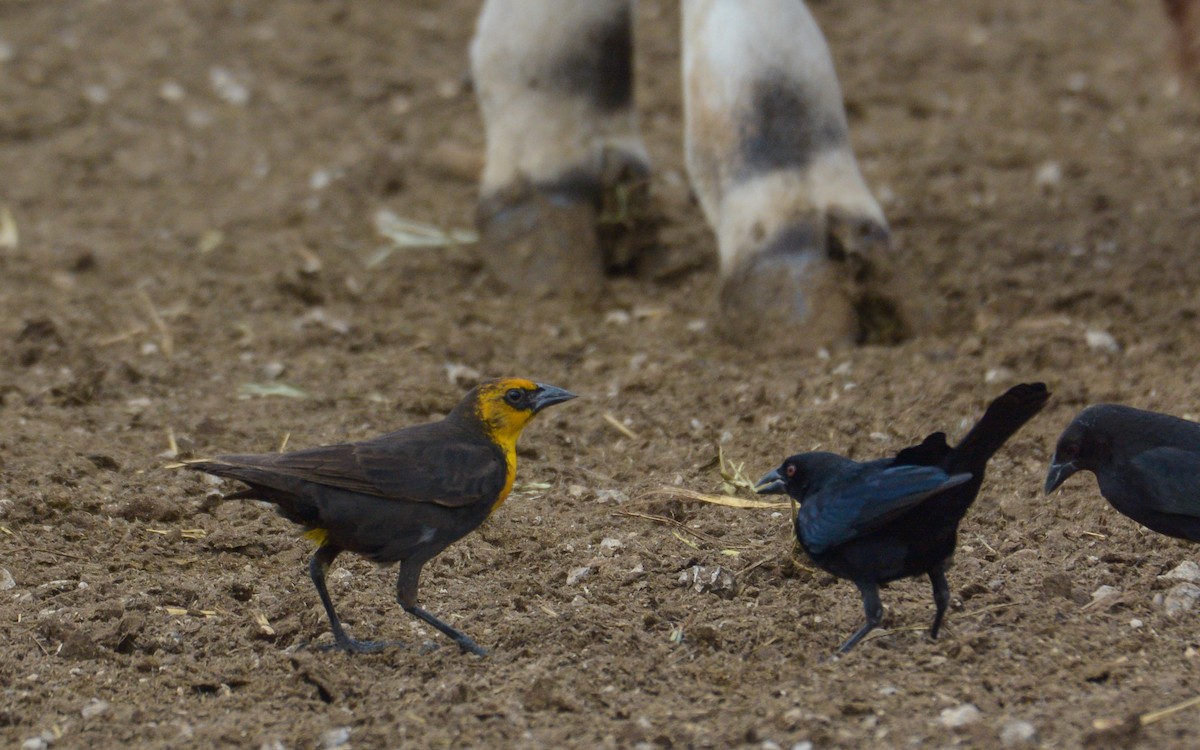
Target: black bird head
[[798, 475], [1083, 446]]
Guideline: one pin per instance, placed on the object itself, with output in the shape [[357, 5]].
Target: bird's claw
[[352, 646]]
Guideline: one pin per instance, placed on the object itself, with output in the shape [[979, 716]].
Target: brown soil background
[[120, 161]]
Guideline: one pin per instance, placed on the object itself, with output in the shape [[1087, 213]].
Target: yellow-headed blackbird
[[401, 497]]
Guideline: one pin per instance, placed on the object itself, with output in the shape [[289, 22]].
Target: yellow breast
[[509, 446]]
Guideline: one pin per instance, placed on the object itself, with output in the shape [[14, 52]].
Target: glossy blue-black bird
[[875, 522], [1146, 463]]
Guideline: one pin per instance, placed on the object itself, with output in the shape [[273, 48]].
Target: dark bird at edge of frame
[[401, 497], [1146, 463], [878, 521]]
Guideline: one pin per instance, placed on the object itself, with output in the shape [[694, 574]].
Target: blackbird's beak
[[549, 395], [770, 484], [1058, 474]]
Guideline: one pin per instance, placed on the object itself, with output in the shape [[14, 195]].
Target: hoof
[[815, 285], [562, 238], [541, 242]]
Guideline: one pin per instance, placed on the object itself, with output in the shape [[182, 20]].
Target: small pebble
[[272, 370], [611, 545], [1181, 598], [997, 374], [1185, 571], [335, 738], [1101, 341], [462, 375], [94, 708], [319, 179], [228, 87], [959, 716], [1104, 592], [1048, 175], [6, 580], [579, 574], [714, 580], [170, 91], [34, 743], [1017, 732], [611, 496], [1135, 623], [96, 94]]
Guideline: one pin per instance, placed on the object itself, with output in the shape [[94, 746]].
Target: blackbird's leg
[[873, 608], [406, 595], [941, 598], [317, 567]]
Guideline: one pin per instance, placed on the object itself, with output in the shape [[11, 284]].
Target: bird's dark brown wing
[[418, 464]]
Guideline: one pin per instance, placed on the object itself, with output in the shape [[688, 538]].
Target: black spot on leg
[[598, 65], [784, 128]]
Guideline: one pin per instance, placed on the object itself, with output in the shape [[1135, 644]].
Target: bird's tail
[[286, 492], [1003, 418]]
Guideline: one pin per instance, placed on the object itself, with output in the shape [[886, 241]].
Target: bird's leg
[[320, 563], [406, 595], [462, 639], [873, 608], [941, 597]]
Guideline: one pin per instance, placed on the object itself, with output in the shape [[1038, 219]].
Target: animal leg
[[941, 598], [406, 595], [872, 607], [317, 567], [803, 243], [566, 173]]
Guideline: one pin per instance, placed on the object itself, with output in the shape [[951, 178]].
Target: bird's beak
[[548, 395], [770, 484], [1058, 474]]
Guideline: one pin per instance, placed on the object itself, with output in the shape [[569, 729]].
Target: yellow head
[[503, 407]]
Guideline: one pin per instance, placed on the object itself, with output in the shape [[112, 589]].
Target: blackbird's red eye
[[790, 471]]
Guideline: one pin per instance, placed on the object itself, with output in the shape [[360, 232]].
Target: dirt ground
[[193, 185]]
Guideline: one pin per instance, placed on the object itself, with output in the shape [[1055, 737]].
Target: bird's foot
[[471, 647], [352, 646]]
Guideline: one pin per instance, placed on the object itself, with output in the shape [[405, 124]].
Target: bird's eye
[[790, 471], [514, 396]]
